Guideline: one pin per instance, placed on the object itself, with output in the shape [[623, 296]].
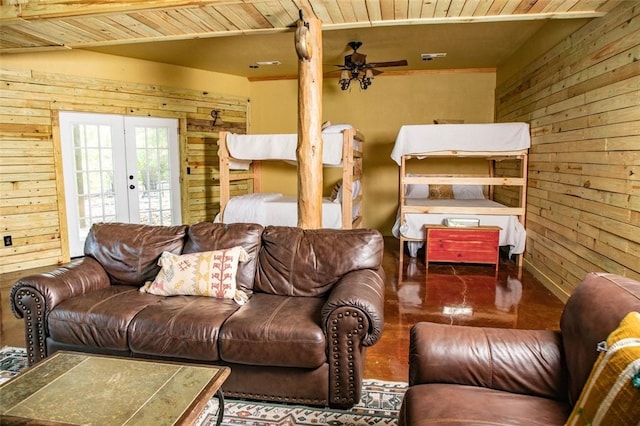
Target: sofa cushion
[[299, 262], [440, 404], [593, 311], [610, 396], [275, 331], [207, 273], [129, 252], [99, 318], [207, 236], [180, 327]]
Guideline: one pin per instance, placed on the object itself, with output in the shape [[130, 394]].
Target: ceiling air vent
[[431, 56]]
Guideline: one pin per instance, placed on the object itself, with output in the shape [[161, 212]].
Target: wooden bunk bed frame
[[491, 180], [351, 171]]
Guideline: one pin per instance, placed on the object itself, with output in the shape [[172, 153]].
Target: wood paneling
[[582, 100], [63, 24], [32, 205]]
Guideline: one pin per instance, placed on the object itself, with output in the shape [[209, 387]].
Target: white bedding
[[276, 209], [512, 234], [244, 148], [492, 137]]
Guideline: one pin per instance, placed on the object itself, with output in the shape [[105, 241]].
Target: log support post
[[308, 43]]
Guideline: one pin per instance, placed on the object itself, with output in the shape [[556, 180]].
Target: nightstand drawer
[[464, 245]]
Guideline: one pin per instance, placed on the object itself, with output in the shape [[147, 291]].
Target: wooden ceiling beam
[[48, 9]]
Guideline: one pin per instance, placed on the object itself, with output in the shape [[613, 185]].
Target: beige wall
[[378, 112], [98, 65], [582, 100]]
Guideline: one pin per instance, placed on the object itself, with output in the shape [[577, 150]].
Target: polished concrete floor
[[474, 295], [457, 294]]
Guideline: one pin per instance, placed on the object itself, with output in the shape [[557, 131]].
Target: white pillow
[[336, 128], [207, 273], [414, 190], [467, 192], [336, 194], [417, 191]]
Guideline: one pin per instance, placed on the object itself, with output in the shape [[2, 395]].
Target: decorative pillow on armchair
[[209, 273], [611, 395]]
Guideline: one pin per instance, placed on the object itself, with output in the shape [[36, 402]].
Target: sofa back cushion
[[129, 252], [299, 262], [208, 236], [593, 311]]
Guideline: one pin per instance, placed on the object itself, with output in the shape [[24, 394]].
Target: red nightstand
[[474, 244]]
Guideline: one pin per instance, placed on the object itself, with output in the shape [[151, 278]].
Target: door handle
[[132, 187]]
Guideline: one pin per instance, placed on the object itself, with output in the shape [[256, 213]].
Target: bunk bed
[[470, 198], [240, 157]]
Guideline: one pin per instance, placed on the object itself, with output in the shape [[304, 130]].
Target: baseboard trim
[[546, 281]]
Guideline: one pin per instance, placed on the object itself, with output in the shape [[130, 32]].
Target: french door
[[118, 169]]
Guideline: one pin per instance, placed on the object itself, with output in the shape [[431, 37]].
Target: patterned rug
[[379, 404]]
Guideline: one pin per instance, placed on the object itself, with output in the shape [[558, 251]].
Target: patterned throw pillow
[[209, 273], [440, 192], [611, 395]]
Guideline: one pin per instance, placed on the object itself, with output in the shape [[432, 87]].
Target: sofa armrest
[[529, 362], [34, 296], [364, 290], [352, 317]]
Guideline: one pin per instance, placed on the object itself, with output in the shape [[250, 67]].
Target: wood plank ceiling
[[30, 25]]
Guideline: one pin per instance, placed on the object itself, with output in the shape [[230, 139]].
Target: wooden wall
[[582, 100], [32, 207]]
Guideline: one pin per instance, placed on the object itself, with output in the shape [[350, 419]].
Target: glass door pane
[[118, 169], [90, 147], [153, 152]]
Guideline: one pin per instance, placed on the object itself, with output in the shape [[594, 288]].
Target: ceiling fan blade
[[401, 63], [376, 72]]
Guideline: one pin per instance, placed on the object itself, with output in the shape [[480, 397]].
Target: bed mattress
[[276, 209], [245, 148], [487, 137]]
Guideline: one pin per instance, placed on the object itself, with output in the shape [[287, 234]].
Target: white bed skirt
[[512, 233]]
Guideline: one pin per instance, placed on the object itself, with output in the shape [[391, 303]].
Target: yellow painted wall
[[98, 65], [378, 112]]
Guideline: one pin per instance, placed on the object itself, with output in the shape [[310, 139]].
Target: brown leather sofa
[[315, 303], [462, 375]]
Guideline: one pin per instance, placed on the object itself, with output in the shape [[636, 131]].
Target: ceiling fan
[[356, 67]]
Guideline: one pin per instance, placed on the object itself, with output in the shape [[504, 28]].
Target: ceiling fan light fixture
[[356, 68], [345, 79]]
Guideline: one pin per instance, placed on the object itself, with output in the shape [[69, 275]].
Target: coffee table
[[77, 388]]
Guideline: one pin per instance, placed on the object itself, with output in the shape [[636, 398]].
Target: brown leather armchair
[[315, 302], [488, 376]]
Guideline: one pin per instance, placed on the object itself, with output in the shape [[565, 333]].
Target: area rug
[[379, 404]]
